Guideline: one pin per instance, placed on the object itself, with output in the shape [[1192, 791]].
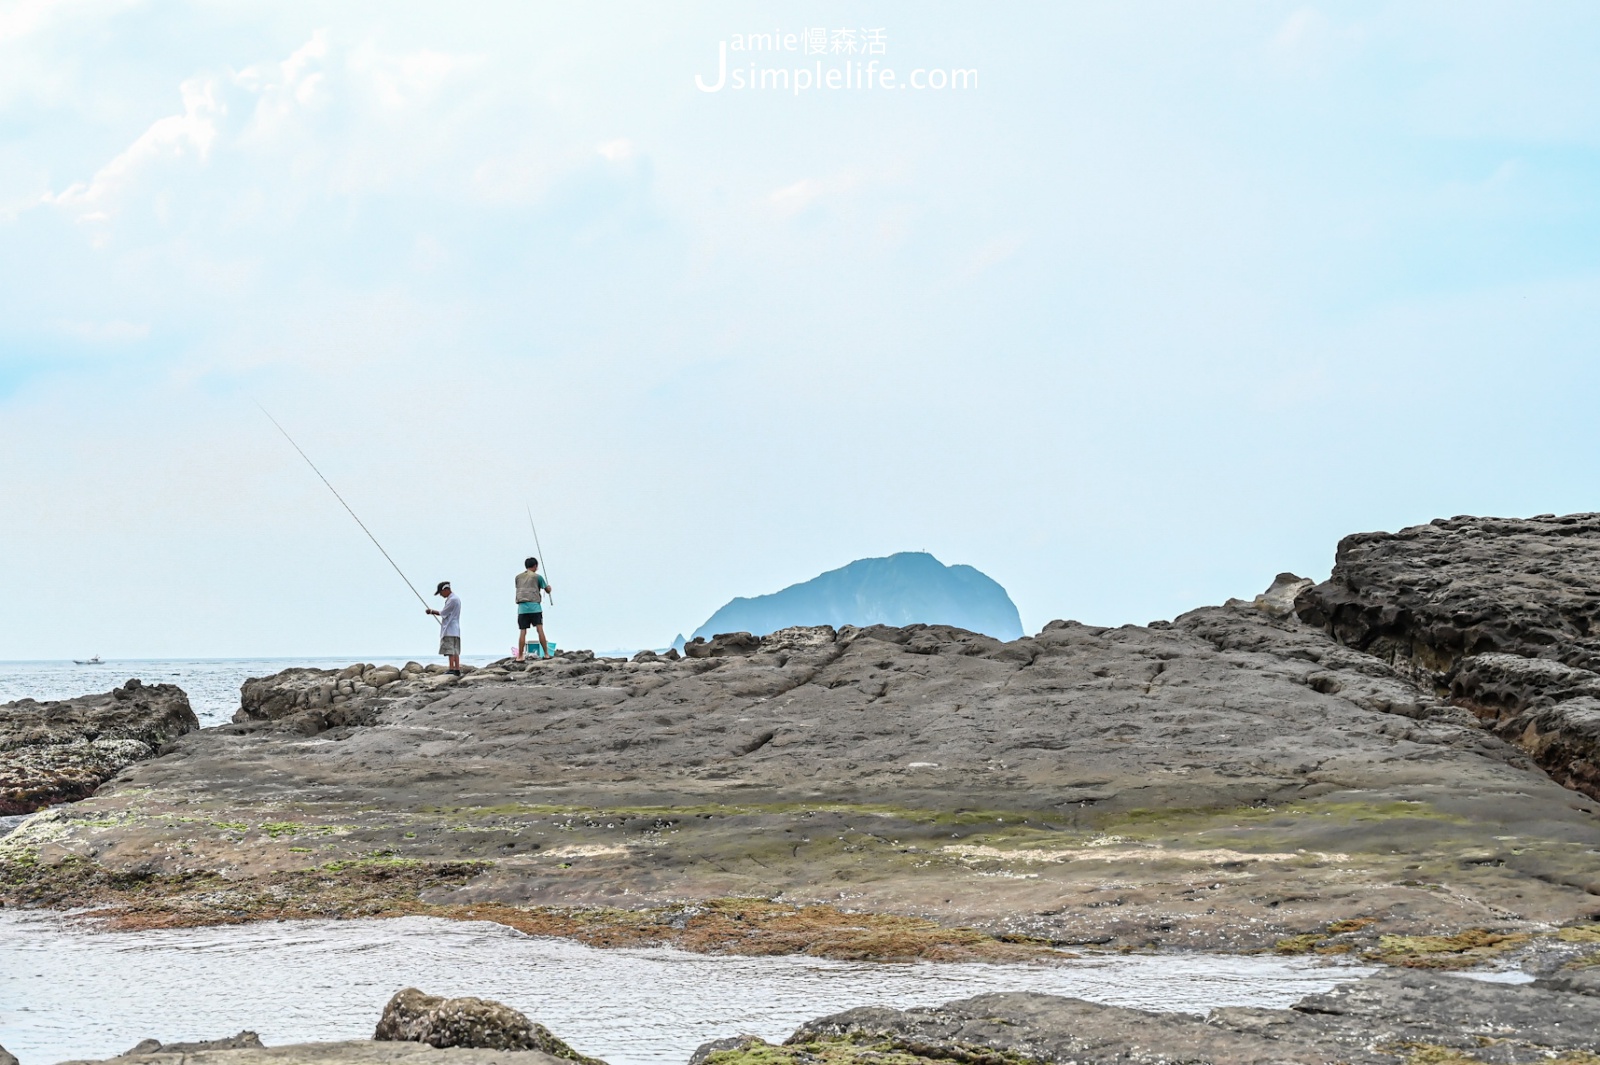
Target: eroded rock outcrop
[[246, 1040], [1387, 1019], [476, 1023], [1502, 615], [60, 751]]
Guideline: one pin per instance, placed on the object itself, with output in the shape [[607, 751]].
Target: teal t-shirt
[[530, 587]]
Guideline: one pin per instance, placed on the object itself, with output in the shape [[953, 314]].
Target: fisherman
[[531, 587], [449, 626]]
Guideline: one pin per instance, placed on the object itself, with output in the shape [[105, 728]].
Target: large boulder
[[1387, 1019], [412, 1016], [1500, 614], [62, 750], [309, 700]]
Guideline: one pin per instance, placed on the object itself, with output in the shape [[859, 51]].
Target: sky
[[1157, 301]]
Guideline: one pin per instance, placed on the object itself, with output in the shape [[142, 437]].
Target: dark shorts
[[528, 621]]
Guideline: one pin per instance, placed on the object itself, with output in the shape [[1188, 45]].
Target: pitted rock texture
[[1501, 614], [1426, 597], [61, 751], [477, 1023], [1387, 1019]]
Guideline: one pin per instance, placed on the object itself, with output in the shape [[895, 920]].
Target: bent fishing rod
[[542, 560], [346, 506]]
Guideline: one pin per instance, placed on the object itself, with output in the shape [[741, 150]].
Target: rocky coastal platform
[[1237, 779], [1398, 764], [1385, 765]]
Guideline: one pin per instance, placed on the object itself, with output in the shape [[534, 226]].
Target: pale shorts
[[449, 645]]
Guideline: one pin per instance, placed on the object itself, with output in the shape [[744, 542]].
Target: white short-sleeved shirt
[[450, 616]]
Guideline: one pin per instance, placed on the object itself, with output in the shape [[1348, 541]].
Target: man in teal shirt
[[531, 587]]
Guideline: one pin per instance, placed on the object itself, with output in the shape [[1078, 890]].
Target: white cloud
[[271, 108], [617, 151], [191, 133]]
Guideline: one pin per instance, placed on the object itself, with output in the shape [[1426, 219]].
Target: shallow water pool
[[67, 991]]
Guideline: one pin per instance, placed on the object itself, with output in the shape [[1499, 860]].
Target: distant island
[[904, 589]]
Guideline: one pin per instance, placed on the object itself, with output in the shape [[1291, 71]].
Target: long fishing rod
[[346, 506], [542, 560]]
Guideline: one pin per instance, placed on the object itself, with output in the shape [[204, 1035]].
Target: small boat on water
[[94, 661]]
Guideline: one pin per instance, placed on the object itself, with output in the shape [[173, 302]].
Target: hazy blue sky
[[1171, 299]]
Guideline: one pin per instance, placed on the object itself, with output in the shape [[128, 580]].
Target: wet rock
[[1008, 1029], [1576, 981], [412, 1016], [1389, 1018], [737, 1043], [60, 751], [245, 1040], [1501, 614]]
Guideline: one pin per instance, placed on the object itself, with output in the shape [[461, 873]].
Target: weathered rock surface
[[353, 1052], [245, 1040], [1501, 614], [1387, 1019], [1224, 780], [54, 752], [483, 1024], [7, 1058]]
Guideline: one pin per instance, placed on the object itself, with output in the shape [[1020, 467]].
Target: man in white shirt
[[449, 626]]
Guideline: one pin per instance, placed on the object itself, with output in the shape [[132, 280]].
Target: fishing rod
[[542, 560], [346, 506]]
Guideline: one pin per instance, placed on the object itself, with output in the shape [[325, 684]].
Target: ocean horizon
[[212, 684]]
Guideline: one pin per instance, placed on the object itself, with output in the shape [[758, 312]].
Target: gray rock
[[1254, 778], [717, 1046], [1501, 614], [412, 1016], [246, 1040], [7, 1058], [60, 751], [733, 643], [1577, 981], [1389, 1018], [354, 1052]]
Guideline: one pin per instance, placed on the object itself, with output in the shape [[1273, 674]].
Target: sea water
[[212, 684], [69, 991]]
